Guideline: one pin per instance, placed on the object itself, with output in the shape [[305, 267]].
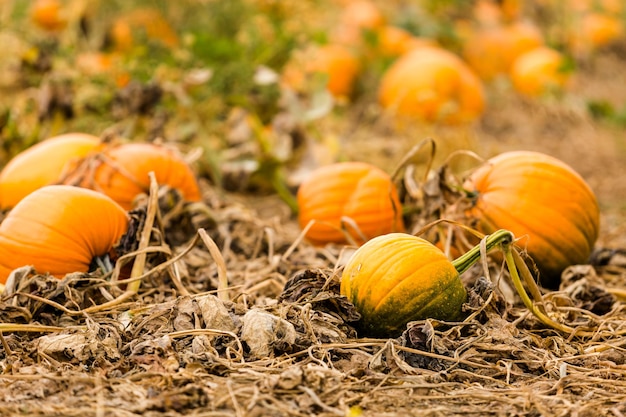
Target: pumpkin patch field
[[312, 208]]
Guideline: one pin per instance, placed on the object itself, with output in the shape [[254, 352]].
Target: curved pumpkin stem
[[411, 154], [502, 238], [521, 291]]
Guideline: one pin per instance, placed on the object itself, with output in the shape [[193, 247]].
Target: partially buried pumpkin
[[544, 202], [397, 278], [59, 229], [348, 190], [43, 164], [122, 172]]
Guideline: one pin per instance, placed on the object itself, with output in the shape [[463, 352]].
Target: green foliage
[[603, 110]]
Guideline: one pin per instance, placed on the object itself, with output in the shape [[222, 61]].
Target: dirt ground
[[285, 343]]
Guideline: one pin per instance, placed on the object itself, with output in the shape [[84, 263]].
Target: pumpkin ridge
[[544, 238], [375, 212], [412, 277], [51, 258], [365, 286], [61, 232], [583, 220], [411, 315]]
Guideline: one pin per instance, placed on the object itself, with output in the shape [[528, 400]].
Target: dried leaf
[[264, 333]]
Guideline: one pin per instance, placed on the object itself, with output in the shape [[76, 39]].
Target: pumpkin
[[394, 41], [60, 229], [43, 164], [356, 190], [491, 51], [337, 63], [121, 172], [595, 30], [397, 278], [491, 12], [148, 20], [356, 19], [433, 85], [48, 15], [539, 71], [543, 201]]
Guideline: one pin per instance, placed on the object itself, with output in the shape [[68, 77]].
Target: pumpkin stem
[[103, 262], [519, 287], [501, 238]]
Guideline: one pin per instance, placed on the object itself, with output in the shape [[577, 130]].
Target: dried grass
[[280, 341], [285, 343]]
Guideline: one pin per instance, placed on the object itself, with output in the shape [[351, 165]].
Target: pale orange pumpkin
[[357, 18], [354, 190], [122, 172], [544, 202], [337, 63], [394, 41], [59, 229], [540, 71], [433, 85], [156, 27], [595, 30], [42, 164], [490, 51]]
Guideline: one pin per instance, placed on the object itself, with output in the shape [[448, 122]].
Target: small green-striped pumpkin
[[397, 278]]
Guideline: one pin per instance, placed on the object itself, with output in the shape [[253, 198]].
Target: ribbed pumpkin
[[357, 190], [397, 278], [121, 172], [544, 202], [539, 71], [43, 164], [60, 229], [433, 85]]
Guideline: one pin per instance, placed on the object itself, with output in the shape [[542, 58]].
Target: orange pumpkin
[[539, 71], [492, 12], [48, 15], [491, 51], [394, 41], [43, 164], [595, 30], [357, 17], [151, 21], [60, 229], [356, 190], [336, 62], [121, 172], [544, 202], [433, 85]]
